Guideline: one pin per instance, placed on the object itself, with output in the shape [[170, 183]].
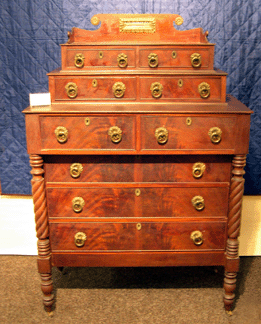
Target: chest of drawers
[[139, 159]]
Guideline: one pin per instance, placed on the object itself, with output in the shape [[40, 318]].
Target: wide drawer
[[137, 201], [134, 236]]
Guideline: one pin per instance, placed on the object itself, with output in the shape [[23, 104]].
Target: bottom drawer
[[134, 236]]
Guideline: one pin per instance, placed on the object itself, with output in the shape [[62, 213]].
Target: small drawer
[[88, 133], [138, 236]]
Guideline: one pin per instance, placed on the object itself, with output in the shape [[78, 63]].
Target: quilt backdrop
[[32, 30]]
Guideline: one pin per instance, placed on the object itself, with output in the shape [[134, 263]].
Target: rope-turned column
[[42, 230], [234, 218]]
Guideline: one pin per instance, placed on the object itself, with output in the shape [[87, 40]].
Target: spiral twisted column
[[234, 218], [42, 230]]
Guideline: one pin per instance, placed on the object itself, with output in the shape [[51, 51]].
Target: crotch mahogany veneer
[[139, 159]]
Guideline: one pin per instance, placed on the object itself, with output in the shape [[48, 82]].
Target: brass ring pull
[[161, 135], [61, 134], [79, 60], [204, 90], [198, 203], [78, 204], [71, 90], [156, 89], [79, 239], [215, 135], [76, 170], [198, 170], [195, 59], [153, 60], [197, 237], [115, 133], [118, 89], [122, 60]]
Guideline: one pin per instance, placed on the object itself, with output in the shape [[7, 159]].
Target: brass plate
[[137, 25]]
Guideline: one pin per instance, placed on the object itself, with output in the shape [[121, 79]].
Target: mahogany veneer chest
[[139, 159]]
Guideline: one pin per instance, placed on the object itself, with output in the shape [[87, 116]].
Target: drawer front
[[193, 58], [144, 236], [153, 169], [187, 132], [137, 202], [88, 133], [81, 58], [185, 88]]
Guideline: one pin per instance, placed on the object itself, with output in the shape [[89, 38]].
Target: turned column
[[234, 218], [42, 231]]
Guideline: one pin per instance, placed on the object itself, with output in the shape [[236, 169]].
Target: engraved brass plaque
[[137, 25]]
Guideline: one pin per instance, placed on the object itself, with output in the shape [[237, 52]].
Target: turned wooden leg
[[234, 218], [42, 230]]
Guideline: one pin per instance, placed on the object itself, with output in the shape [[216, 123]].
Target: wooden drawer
[[88, 133], [133, 236], [188, 132], [137, 201]]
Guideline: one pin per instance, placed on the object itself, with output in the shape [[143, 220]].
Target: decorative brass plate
[[137, 25]]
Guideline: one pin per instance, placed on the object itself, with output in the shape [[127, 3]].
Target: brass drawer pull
[[198, 203], [197, 237], [153, 60], [204, 90], [76, 170], [195, 59], [79, 60], [78, 204], [79, 239], [122, 60], [156, 89], [118, 89], [215, 135], [71, 90], [161, 135], [115, 133], [61, 134], [198, 170]]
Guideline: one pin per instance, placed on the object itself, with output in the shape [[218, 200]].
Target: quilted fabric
[[31, 31]]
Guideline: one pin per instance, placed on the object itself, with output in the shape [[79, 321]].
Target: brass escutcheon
[[188, 121], [137, 192], [118, 89], [100, 54], [78, 204], [153, 60], [197, 237], [87, 121], [79, 60], [138, 226], [198, 203], [156, 89], [122, 60], [198, 170], [174, 54], [215, 135], [61, 134], [161, 135], [180, 83], [76, 170], [71, 90], [204, 90], [79, 239], [195, 59], [115, 133], [94, 83]]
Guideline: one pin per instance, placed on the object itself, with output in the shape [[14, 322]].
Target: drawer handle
[[204, 90], [115, 133], [156, 89], [215, 135], [122, 60], [161, 135], [76, 170], [79, 239], [79, 60], [197, 237], [198, 203], [153, 60], [61, 134], [71, 90], [198, 170], [195, 59], [118, 89], [77, 204]]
